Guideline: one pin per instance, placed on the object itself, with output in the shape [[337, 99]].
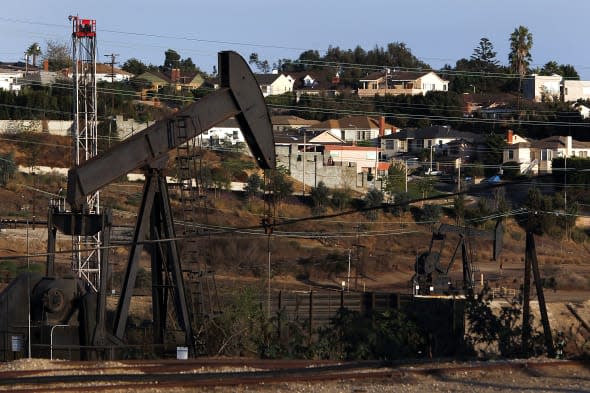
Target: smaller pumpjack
[[432, 277]]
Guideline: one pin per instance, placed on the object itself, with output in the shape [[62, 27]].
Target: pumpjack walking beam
[[239, 96]]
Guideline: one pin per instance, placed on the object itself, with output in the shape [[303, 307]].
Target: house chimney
[[510, 137], [381, 126], [175, 74], [45, 65]]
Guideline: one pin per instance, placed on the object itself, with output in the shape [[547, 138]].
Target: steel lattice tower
[[86, 255]]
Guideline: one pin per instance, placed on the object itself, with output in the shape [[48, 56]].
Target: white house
[[583, 109], [536, 156], [401, 82], [366, 159], [542, 87], [355, 129], [225, 133], [436, 138], [574, 90], [274, 84], [9, 80]]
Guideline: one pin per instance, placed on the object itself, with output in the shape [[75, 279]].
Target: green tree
[[567, 71], [484, 54], [426, 186], [341, 198], [134, 66], [262, 65], [34, 50], [492, 156], [171, 59], [319, 197], [550, 68], [521, 43], [431, 213], [396, 178], [57, 55], [279, 184], [252, 187], [459, 208], [7, 167], [372, 201], [187, 66]]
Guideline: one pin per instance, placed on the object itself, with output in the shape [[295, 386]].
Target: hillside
[[305, 250]]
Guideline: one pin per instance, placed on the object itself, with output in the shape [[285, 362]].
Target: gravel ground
[[560, 379]]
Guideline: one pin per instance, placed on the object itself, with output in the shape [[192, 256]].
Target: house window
[[389, 144], [583, 154], [403, 145], [511, 154]]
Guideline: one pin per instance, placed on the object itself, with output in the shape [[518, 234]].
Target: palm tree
[[34, 50], [521, 42]]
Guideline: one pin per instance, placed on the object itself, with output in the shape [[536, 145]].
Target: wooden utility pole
[[531, 263]]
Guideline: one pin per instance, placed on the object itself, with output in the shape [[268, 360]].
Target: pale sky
[[437, 31]]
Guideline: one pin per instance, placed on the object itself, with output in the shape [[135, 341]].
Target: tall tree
[[34, 51], [171, 59], [58, 55], [550, 68], [521, 42], [135, 66], [484, 53], [320, 198]]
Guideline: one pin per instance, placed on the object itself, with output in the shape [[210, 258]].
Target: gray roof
[[433, 132], [266, 79]]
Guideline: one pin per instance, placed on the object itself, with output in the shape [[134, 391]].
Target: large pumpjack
[[80, 312]]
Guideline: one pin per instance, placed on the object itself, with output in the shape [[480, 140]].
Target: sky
[[438, 32]]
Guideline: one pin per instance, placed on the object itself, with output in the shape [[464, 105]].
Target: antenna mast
[[86, 249]]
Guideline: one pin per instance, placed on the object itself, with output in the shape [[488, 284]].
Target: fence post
[[310, 314], [280, 314]]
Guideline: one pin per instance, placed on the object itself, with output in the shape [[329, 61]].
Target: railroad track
[[203, 373]]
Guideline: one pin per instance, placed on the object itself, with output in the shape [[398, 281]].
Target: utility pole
[[112, 56]]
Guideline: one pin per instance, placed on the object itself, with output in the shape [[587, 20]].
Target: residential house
[[316, 82], [435, 138], [104, 73], [283, 123], [583, 109], [108, 73], [10, 80], [175, 78], [274, 84], [574, 90], [366, 159], [554, 87], [542, 87], [355, 129], [401, 82], [225, 133], [536, 155]]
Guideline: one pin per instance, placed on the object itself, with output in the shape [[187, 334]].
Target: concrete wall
[[333, 176], [128, 127], [54, 127]]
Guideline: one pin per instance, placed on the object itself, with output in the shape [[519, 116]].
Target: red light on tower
[[83, 27]]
